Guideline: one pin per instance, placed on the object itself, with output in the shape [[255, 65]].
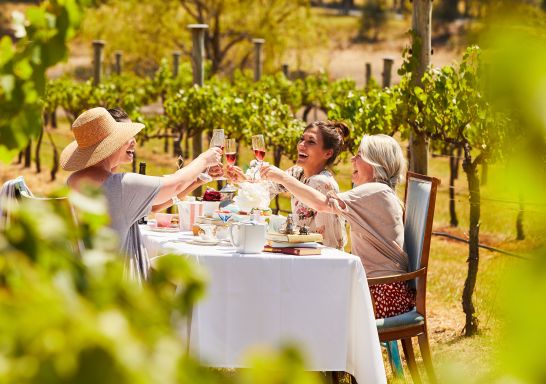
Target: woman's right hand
[[211, 157], [235, 173]]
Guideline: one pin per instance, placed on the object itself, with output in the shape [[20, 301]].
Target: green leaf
[[22, 69], [7, 82]]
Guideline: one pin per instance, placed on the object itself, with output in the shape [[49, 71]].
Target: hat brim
[[74, 158]]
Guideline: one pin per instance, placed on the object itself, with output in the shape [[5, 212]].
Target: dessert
[[212, 195]]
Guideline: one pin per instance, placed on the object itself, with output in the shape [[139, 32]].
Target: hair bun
[[341, 129]]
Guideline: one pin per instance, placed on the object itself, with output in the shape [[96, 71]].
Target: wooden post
[[119, 57], [387, 71], [198, 52], [421, 49], [368, 74], [285, 71], [176, 62], [98, 46], [258, 47]]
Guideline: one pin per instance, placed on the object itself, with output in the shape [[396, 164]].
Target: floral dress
[[331, 226]]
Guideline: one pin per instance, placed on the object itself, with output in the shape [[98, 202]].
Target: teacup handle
[[232, 238]]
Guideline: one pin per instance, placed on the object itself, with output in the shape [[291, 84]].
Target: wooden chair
[[420, 200]]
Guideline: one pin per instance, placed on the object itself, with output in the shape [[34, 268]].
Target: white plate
[[199, 241], [163, 229]]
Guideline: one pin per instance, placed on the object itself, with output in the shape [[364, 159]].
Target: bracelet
[[204, 177]]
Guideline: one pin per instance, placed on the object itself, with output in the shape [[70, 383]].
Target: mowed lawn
[[453, 354]]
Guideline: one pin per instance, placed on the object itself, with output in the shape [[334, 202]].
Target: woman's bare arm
[[304, 193], [174, 184]]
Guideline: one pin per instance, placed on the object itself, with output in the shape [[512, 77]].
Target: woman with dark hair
[[318, 149]]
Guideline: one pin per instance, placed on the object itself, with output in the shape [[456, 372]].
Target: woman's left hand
[[270, 172]]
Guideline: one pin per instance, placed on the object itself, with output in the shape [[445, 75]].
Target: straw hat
[[98, 136]]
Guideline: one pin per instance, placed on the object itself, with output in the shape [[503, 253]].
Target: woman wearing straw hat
[[101, 144], [214, 172]]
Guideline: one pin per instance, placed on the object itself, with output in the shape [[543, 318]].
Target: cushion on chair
[[409, 318]]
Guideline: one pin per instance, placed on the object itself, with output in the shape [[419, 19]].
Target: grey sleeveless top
[[130, 198]]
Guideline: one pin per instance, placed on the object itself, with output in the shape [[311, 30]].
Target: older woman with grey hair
[[374, 212]]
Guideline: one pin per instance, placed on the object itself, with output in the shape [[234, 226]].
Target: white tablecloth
[[321, 303]]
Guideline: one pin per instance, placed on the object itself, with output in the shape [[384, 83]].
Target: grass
[[448, 258]]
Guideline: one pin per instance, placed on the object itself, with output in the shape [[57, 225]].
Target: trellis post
[[176, 62], [118, 62], [258, 50], [98, 46]]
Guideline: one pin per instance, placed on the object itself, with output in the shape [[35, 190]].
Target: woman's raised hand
[[212, 156], [235, 173], [270, 172]]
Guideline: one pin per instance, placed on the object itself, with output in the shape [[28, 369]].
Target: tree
[[233, 23], [456, 110], [162, 27], [43, 34], [374, 17]]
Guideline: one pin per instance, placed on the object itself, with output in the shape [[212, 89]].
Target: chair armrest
[[395, 278]]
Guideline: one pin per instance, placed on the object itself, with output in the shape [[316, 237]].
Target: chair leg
[[427, 358], [410, 358], [394, 359]]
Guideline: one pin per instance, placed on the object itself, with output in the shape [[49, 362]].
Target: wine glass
[[231, 156], [217, 140], [258, 146]]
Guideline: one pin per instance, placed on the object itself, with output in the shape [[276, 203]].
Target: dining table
[[320, 303]]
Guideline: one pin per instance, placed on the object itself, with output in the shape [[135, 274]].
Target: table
[[321, 303]]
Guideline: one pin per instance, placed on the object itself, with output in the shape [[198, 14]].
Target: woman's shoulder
[[373, 189], [323, 180]]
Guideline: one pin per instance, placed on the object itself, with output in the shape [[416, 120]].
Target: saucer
[[163, 229], [199, 241]]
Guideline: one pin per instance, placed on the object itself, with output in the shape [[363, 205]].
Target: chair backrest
[[10, 191], [16, 189], [420, 202]]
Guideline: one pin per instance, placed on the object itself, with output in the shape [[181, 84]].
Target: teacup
[[276, 222], [207, 232]]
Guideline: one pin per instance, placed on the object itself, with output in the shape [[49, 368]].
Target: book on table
[[280, 244], [293, 250], [297, 238]]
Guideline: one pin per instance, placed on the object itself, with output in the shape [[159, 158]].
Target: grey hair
[[385, 156]]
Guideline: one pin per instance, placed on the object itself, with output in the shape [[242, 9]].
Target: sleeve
[[275, 188], [348, 204], [331, 226], [137, 194]]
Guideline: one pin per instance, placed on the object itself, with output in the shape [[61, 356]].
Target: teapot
[[248, 237]]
